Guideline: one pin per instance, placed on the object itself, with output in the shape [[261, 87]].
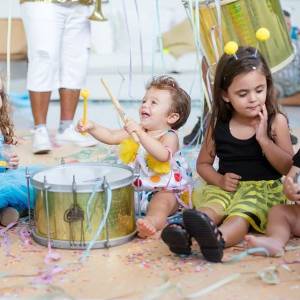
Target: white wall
[[293, 6]]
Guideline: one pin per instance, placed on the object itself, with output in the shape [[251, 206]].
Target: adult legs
[[44, 26], [68, 103], [39, 106]]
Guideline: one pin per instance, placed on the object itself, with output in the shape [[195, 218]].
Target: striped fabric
[[251, 201]]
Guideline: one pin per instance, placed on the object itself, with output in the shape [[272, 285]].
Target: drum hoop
[[283, 63], [212, 4], [84, 188]]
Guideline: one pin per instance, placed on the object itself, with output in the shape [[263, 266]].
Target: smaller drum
[[71, 203]]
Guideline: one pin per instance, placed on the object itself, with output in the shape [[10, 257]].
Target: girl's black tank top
[[242, 157]]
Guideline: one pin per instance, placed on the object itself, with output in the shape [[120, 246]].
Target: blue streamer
[[130, 50], [140, 35], [160, 43], [86, 253]]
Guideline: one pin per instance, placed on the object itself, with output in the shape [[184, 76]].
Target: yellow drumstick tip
[[84, 93], [231, 48], [262, 34]]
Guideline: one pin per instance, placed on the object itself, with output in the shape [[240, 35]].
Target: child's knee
[[278, 210]]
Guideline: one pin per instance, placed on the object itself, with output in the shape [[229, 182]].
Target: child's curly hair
[[181, 100], [6, 125]]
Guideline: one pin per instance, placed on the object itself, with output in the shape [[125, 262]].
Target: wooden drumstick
[[119, 109]]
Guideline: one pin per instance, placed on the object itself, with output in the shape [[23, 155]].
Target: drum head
[[86, 175]]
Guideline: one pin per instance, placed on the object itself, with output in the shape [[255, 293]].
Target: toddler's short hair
[[181, 101]]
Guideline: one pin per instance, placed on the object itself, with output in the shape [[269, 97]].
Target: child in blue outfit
[[13, 187]]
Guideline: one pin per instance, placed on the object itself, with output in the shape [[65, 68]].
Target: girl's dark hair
[[6, 125], [181, 100], [246, 60]]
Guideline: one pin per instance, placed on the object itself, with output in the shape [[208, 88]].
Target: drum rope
[[46, 188], [89, 203], [108, 194]]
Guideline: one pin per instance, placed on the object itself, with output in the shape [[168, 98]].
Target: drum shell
[[240, 21], [120, 225]]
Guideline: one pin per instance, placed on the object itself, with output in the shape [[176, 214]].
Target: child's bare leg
[[282, 223], [160, 207], [234, 230], [212, 214]]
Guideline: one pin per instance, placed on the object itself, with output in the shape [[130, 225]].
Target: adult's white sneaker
[[70, 135], [41, 142]]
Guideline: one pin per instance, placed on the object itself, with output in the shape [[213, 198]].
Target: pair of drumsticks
[[85, 94]]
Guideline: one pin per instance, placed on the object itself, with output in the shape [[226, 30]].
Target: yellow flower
[[128, 151], [157, 166]]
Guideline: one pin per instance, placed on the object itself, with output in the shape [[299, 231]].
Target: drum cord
[[108, 194], [89, 203]]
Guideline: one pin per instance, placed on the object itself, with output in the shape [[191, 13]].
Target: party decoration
[[262, 34]]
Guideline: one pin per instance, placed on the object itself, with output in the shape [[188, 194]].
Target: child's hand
[[131, 127], [262, 126], [13, 161], [84, 127], [230, 182], [291, 189]]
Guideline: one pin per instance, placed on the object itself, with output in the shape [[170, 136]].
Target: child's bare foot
[[145, 228], [273, 246]]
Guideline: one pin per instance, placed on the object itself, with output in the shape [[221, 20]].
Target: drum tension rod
[[75, 214]]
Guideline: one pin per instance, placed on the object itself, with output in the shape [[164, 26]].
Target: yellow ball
[[231, 48], [166, 51], [262, 34], [84, 93]]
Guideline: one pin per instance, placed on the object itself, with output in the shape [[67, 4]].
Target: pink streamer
[[5, 243]]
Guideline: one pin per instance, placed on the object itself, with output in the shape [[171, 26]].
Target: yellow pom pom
[[128, 151], [262, 34], [231, 48], [84, 93], [159, 167]]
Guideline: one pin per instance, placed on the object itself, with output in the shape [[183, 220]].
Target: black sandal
[[206, 233], [177, 238]]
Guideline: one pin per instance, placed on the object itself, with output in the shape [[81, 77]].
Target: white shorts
[[58, 38]]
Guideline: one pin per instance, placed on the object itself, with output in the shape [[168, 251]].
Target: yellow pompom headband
[[262, 35]]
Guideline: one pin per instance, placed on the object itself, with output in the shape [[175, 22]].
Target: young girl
[[165, 108], [283, 220], [250, 136], [12, 200]]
